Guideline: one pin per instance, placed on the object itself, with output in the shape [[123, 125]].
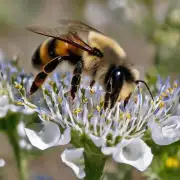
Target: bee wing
[[66, 33], [77, 26]]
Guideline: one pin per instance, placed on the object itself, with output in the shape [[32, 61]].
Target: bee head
[[115, 81]]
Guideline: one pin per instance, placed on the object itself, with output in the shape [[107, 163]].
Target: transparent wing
[[76, 26], [62, 33]]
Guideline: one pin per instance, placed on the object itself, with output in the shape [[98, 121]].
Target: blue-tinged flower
[[12, 114], [165, 125], [167, 131], [87, 126], [8, 93]]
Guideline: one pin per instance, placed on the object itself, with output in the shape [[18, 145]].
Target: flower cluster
[[8, 93], [94, 132], [12, 114]]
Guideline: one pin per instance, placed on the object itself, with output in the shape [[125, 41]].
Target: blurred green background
[[149, 31]]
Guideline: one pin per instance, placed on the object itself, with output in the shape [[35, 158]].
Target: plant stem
[[19, 155], [94, 166]]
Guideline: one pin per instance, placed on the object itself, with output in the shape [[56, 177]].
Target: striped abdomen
[[50, 49]]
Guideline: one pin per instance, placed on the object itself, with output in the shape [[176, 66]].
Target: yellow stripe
[[44, 53], [61, 48]]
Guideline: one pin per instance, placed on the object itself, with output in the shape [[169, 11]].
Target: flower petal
[[73, 158], [28, 111], [108, 150], [4, 100], [98, 141], [134, 152], [14, 108], [65, 137], [46, 138], [166, 132], [3, 111]]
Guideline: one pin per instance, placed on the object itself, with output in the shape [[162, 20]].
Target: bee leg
[[76, 78], [108, 94], [38, 81], [106, 100], [113, 98], [51, 66], [92, 83], [127, 100]]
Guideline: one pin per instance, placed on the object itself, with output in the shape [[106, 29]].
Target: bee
[[89, 52]]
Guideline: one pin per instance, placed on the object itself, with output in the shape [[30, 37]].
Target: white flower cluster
[[118, 132], [7, 90]]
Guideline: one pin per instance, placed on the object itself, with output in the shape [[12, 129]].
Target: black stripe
[[74, 58], [51, 66], [51, 46], [109, 72], [36, 59]]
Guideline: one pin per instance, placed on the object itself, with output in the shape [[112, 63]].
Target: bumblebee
[[89, 52]]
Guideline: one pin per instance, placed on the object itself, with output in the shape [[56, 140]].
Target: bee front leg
[[38, 81], [92, 83], [106, 100], [76, 78], [127, 100], [108, 93], [114, 98]]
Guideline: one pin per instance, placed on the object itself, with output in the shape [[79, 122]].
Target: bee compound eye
[[116, 74], [97, 52]]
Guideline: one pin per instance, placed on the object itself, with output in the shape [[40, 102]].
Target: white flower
[[118, 132], [48, 136], [134, 152], [8, 93], [165, 124], [167, 131], [74, 159], [2, 163]]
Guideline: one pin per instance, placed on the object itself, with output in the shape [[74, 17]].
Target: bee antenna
[[138, 81]]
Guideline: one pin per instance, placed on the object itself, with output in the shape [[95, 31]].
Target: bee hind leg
[[38, 81], [51, 66], [76, 78]]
